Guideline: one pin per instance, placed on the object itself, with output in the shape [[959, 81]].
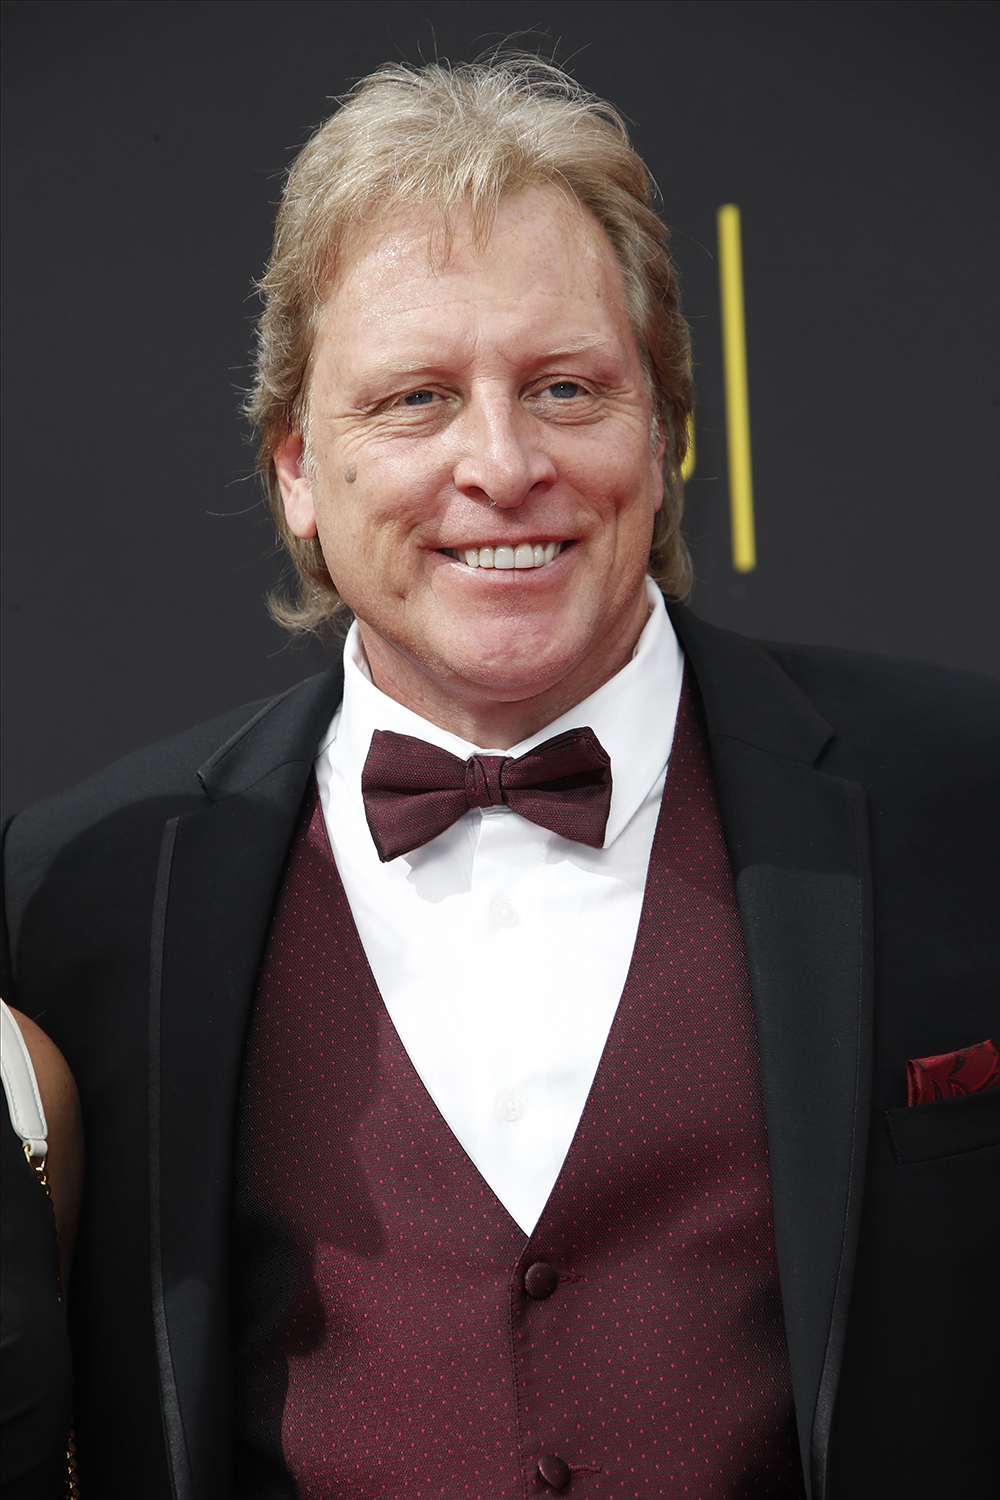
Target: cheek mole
[[350, 473]]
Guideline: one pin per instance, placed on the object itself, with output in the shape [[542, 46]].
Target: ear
[[296, 491]]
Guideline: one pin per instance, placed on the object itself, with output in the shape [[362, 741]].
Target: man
[[494, 1054]]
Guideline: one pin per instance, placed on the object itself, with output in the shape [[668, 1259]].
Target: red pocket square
[[951, 1073]]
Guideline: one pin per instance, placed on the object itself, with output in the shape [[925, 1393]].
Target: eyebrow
[[579, 346], [398, 369]]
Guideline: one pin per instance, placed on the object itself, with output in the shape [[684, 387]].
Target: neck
[[483, 717]]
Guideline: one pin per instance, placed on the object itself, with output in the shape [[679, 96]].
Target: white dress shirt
[[501, 949]]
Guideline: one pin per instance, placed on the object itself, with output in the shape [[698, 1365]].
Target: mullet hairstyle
[[440, 138]]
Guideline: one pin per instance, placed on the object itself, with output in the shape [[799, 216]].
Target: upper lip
[[535, 539]]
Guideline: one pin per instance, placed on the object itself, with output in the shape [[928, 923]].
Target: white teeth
[[524, 555]]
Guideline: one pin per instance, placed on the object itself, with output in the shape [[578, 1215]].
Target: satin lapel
[[219, 871], [798, 843]]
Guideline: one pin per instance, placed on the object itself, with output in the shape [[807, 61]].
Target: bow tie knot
[[413, 791], [482, 780]]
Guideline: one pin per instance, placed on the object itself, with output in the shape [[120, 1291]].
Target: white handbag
[[27, 1115], [24, 1102]]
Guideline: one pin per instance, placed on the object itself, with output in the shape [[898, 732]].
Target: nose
[[501, 461]]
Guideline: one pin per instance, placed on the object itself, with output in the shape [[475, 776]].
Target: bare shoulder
[[55, 1081], [61, 1103]]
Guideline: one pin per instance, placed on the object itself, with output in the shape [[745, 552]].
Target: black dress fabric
[[35, 1372]]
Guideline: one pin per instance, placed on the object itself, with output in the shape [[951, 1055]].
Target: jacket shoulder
[[847, 711], [167, 768], [123, 807], [874, 701]]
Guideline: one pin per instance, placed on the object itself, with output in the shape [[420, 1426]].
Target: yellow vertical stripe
[[734, 358], [687, 467]]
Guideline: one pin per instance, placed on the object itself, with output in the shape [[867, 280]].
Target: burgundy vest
[[397, 1332]]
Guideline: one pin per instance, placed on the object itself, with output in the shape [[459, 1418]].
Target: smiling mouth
[[525, 555]]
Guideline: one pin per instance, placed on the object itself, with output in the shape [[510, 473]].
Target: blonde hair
[[444, 137]]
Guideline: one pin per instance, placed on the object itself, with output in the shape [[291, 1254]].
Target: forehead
[[543, 269]]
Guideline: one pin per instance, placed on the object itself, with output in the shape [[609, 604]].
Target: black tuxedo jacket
[[859, 802]]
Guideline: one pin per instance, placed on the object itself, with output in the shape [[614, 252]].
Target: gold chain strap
[[38, 1167], [72, 1477]]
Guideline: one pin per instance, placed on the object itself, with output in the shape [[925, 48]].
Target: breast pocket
[[948, 1127]]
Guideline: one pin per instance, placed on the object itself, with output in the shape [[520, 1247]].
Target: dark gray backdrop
[[144, 147]]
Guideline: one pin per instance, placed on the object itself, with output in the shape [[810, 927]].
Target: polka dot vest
[[397, 1335]]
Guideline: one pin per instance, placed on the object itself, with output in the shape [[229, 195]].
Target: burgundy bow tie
[[414, 791]]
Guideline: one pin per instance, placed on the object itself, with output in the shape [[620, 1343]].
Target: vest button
[[555, 1471], [540, 1281]]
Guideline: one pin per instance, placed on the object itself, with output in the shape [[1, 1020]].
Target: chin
[[511, 678], [522, 646]]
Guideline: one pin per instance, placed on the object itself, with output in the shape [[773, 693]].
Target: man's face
[[493, 399]]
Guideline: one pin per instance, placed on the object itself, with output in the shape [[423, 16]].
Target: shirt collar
[[633, 715]]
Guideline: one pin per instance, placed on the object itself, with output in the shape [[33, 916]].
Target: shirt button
[[555, 1471], [510, 1106], [504, 914], [540, 1280]]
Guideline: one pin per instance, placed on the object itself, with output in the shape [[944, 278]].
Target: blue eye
[[418, 398], [564, 390]]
